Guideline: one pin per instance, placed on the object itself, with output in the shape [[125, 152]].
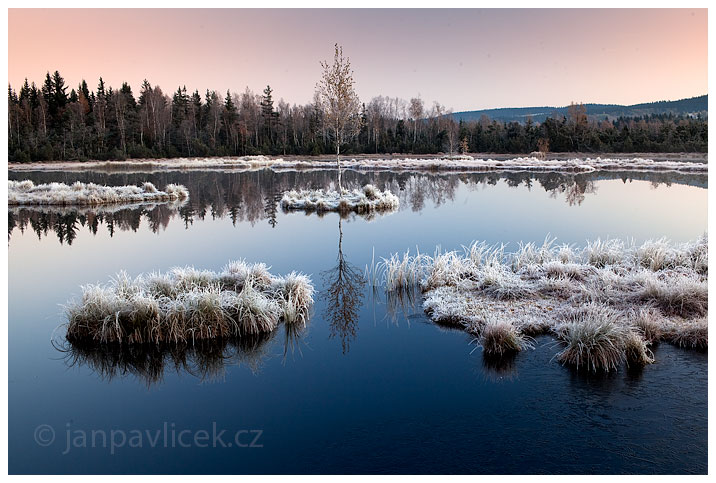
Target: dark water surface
[[373, 387]]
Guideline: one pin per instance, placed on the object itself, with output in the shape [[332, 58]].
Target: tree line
[[54, 122]]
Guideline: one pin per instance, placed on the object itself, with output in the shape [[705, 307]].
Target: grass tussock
[[681, 296], [594, 339], [187, 305], [636, 295], [500, 338], [649, 322], [367, 200], [27, 193]]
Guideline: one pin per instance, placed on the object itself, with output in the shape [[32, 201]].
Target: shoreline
[[562, 162]]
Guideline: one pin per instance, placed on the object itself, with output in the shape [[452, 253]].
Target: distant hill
[[692, 106]]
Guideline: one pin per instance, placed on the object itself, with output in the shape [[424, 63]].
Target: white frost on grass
[[369, 199], [28, 193], [467, 163], [445, 163], [187, 305], [606, 302], [499, 338]]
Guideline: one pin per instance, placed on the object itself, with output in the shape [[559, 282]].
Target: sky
[[464, 59]]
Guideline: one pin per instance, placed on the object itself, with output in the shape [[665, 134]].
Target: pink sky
[[465, 59]]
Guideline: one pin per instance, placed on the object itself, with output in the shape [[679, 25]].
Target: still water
[[369, 386]]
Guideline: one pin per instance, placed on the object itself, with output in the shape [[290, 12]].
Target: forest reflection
[[253, 197]]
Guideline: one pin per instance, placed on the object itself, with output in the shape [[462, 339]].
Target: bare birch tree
[[416, 112], [339, 103]]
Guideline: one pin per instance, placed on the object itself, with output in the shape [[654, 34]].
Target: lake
[[373, 387]]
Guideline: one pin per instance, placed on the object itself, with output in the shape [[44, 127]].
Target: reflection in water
[[343, 296], [65, 221], [293, 336], [255, 196], [496, 369], [206, 360], [401, 304], [573, 190]]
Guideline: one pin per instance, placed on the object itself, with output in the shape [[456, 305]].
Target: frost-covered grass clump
[[28, 193], [499, 338], [187, 305], [367, 200], [607, 303], [596, 339]]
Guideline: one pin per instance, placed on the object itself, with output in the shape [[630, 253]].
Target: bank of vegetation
[[607, 303]]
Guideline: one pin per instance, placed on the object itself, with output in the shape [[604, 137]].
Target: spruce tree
[[59, 90], [268, 115]]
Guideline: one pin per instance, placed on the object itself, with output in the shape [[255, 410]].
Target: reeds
[[27, 193], [188, 305], [402, 273]]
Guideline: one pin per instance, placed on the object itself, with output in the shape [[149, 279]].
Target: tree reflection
[[254, 197], [574, 190], [65, 221], [343, 296]]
